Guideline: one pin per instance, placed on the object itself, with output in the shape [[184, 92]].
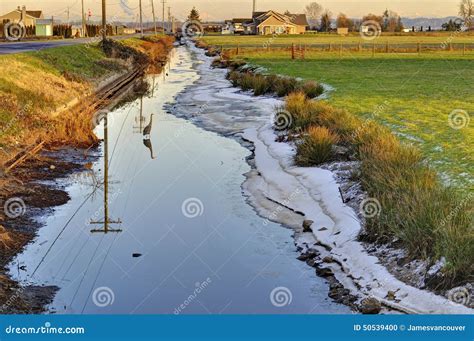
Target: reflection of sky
[[222, 9]]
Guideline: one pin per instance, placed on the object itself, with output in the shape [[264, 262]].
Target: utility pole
[[67, 15], [104, 21], [83, 20], [141, 19], [163, 23], [154, 18], [107, 220], [169, 19]]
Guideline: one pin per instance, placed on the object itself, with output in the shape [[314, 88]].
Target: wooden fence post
[[373, 50], [293, 51], [330, 47], [237, 52], [340, 50], [386, 47], [464, 49], [419, 48], [360, 47]]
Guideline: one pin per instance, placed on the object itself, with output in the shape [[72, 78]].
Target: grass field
[[410, 93], [321, 38]]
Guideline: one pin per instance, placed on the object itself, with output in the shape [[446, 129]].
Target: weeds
[[316, 146]]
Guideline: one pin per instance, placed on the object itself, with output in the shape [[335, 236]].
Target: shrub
[[316, 147], [283, 86], [311, 88], [261, 86]]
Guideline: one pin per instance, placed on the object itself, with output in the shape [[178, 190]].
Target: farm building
[[44, 27]]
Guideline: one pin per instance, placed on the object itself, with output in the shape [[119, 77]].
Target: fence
[[65, 31], [299, 51]]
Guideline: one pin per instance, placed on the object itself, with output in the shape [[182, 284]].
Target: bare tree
[[466, 11], [313, 12], [326, 19]]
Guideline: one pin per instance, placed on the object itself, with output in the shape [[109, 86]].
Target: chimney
[[23, 13]]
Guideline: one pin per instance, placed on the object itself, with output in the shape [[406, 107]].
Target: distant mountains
[[435, 23]]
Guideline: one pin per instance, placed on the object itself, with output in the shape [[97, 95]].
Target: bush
[[283, 86], [316, 147], [311, 88]]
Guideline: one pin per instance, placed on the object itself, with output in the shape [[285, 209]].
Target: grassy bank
[[428, 218], [36, 85]]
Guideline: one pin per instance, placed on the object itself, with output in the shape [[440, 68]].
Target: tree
[[451, 25], [372, 17], [313, 12], [343, 21], [194, 15], [325, 25], [466, 11], [391, 22]]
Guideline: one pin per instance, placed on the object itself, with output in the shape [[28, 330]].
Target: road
[[28, 46]]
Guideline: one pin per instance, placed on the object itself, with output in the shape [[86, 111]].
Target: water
[[190, 242]]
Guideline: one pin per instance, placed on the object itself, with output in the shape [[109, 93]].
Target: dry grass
[[316, 146], [266, 84]]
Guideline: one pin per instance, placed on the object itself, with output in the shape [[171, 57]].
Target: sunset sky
[[220, 9]]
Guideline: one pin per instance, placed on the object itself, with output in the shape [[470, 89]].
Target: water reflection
[[106, 221]]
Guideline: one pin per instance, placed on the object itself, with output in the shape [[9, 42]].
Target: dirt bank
[[56, 114]]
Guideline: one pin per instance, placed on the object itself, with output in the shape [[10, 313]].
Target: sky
[[227, 9]]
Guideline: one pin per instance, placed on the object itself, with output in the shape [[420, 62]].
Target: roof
[[44, 22], [261, 18], [36, 14], [299, 19], [240, 20]]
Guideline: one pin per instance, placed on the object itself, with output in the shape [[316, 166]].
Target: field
[[321, 38], [413, 94]]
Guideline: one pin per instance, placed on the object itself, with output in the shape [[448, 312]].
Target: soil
[[35, 183]]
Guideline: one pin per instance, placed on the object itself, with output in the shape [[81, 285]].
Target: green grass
[[411, 94], [434, 38]]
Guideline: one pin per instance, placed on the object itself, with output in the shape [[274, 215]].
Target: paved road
[[26, 46]]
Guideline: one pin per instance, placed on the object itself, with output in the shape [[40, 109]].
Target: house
[[44, 27], [238, 25], [271, 22], [28, 18]]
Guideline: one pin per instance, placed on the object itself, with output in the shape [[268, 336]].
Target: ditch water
[[189, 242]]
